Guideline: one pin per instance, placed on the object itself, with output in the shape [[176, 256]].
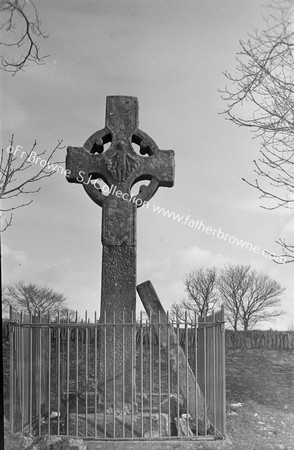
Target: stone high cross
[[120, 167]]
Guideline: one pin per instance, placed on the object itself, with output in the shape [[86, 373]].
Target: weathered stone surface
[[183, 427], [158, 428], [124, 424], [154, 308], [173, 407], [120, 301], [120, 167]]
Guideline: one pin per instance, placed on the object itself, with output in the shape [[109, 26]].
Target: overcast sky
[[171, 55]]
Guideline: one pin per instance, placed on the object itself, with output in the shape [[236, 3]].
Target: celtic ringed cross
[[120, 167]]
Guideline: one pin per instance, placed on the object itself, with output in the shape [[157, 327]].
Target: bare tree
[[20, 174], [233, 285], [249, 296], [260, 96], [22, 27], [201, 287], [34, 300]]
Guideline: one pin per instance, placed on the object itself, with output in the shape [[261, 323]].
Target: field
[[255, 426]]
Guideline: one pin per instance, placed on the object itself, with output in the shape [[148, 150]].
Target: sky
[[171, 55]]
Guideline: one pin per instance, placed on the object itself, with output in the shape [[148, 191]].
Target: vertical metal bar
[[31, 375], [26, 369], [187, 372], [178, 369], [86, 372], [105, 373], [16, 376], [67, 375], [19, 373], [77, 377], [16, 415], [168, 374], [214, 372], [17, 384], [205, 377], [95, 371], [40, 375], [113, 374], [159, 370], [22, 372], [49, 372], [123, 372], [141, 372], [196, 371], [12, 369], [17, 391], [133, 324], [223, 354], [217, 343], [209, 366], [82, 366], [150, 371], [58, 374]]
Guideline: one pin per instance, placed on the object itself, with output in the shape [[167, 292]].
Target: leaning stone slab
[[153, 307]]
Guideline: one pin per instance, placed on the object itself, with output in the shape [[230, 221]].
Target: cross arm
[[159, 169], [160, 166], [81, 164]]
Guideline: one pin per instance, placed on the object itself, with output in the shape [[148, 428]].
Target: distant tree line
[[249, 297]]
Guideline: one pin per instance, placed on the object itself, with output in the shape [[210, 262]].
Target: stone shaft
[[118, 305]]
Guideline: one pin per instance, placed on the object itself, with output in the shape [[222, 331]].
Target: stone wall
[[260, 367], [276, 340]]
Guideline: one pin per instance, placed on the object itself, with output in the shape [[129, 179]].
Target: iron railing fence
[[60, 386]]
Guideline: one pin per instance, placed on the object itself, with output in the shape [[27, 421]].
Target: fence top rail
[[96, 325], [25, 320]]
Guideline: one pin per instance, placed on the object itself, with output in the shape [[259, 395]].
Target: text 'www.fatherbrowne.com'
[[217, 233]]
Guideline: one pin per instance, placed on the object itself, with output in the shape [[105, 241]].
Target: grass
[[258, 427]]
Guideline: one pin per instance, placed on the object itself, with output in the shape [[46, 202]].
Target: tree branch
[[22, 39], [17, 174]]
